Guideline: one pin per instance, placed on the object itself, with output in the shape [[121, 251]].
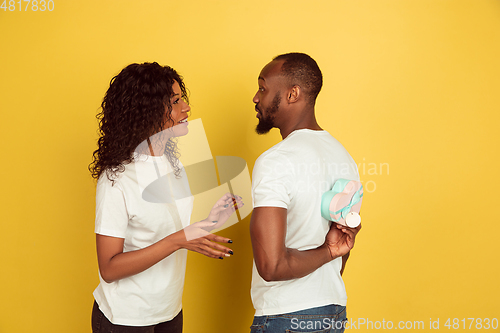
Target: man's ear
[[294, 94]]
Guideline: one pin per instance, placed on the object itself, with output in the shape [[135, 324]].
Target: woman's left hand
[[219, 214]]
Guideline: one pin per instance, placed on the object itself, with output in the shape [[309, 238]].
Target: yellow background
[[413, 84]]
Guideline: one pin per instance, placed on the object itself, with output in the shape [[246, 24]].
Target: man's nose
[[256, 98]]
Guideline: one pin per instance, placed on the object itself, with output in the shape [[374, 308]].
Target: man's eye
[[261, 89]]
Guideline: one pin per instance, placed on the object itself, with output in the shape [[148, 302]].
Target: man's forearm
[[276, 262], [296, 264]]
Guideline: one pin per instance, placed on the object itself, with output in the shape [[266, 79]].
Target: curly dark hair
[[300, 69], [133, 109]]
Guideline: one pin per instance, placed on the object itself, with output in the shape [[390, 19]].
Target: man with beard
[[298, 255]]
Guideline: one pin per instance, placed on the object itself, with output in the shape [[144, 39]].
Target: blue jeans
[[324, 319]]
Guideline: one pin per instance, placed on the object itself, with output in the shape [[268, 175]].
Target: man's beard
[[266, 122]]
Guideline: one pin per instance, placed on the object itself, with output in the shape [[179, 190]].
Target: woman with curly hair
[[141, 245]]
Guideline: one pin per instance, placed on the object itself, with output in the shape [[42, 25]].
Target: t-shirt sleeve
[[272, 181], [111, 211]]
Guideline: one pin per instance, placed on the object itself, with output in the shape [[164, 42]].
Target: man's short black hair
[[302, 70]]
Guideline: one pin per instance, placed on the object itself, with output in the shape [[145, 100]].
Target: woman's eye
[[176, 101]]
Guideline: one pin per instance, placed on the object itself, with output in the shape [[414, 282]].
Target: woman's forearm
[[124, 264]]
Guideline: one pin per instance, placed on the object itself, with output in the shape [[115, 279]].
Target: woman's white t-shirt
[[124, 210]]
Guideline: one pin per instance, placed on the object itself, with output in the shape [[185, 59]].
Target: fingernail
[[214, 221], [229, 241], [225, 206], [231, 252], [221, 258]]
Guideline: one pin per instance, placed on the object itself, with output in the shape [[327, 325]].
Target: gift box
[[342, 203]]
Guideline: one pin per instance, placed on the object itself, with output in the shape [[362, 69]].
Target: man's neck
[[307, 121]]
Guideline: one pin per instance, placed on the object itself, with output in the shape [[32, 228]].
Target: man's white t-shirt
[[154, 295], [294, 174]]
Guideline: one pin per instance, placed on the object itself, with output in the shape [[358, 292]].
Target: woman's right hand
[[206, 243]]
